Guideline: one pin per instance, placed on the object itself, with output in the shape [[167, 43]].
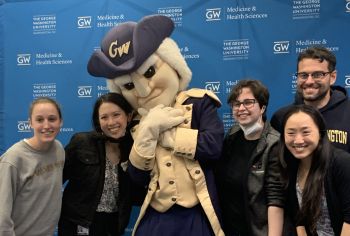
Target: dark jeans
[[103, 224]]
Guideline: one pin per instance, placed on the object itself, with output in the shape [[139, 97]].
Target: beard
[[314, 97]]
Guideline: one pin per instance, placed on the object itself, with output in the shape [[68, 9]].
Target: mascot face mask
[[142, 63], [155, 82]]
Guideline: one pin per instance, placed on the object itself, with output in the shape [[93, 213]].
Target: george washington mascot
[[179, 136]]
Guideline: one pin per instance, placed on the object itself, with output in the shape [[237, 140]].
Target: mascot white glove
[[152, 124], [167, 138]]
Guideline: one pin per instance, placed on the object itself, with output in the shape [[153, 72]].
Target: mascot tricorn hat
[[126, 46]]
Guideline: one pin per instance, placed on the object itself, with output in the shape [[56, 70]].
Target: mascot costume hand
[[179, 136], [149, 131]]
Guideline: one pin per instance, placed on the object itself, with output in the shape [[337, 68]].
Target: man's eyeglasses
[[247, 103], [317, 75]]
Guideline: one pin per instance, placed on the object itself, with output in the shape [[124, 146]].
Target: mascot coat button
[[197, 172], [168, 164]]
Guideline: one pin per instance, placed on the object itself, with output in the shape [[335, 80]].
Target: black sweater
[[337, 190]]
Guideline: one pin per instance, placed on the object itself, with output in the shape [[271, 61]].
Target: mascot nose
[[141, 85]]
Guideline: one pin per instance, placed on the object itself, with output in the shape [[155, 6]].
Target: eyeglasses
[[247, 103], [317, 75]]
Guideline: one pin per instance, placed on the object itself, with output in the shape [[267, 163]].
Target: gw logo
[[23, 126], [84, 91], [114, 51], [84, 22], [347, 81], [281, 47], [213, 14], [347, 5], [213, 86], [23, 59]]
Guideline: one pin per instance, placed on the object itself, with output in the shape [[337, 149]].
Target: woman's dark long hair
[[310, 209]]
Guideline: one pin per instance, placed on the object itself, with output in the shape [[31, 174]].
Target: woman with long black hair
[[316, 174], [99, 194]]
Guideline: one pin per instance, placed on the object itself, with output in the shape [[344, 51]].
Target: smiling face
[[113, 120], [315, 92], [246, 116], [301, 135], [155, 82], [46, 122]]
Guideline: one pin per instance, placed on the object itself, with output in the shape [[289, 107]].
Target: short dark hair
[[260, 92], [114, 98], [319, 53]]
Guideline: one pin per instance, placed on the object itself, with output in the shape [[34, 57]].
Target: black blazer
[[85, 171]]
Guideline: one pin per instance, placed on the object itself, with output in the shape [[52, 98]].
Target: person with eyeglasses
[[241, 174], [316, 76]]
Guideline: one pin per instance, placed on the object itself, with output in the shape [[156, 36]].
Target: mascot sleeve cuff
[[185, 142], [141, 162]]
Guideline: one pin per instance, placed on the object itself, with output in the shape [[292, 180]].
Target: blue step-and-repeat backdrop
[[45, 46]]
